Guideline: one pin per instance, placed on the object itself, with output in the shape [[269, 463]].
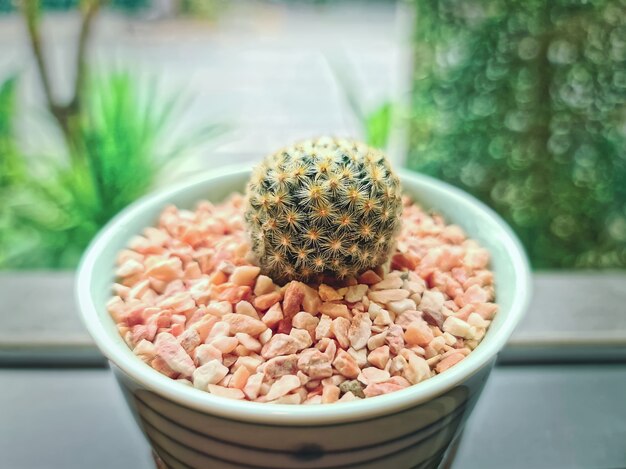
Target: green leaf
[[378, 126]]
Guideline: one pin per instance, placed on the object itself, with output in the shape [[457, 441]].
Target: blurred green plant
[[12, 170], [209, 10], [127, 137], [523, 103], [63, 5], [120, 132]]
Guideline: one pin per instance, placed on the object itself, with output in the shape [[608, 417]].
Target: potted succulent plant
[[323, 319]]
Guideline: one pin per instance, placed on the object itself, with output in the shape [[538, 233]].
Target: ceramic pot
[[405, 429]]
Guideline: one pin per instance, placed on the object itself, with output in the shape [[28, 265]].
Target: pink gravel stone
[[139, 289], [369, 278], [246, 324], [396, 383], [359, 332], [279, 344], [406, 318], [284, 385], [339, 329], [326, 292], [373, 375], [245, 308], [417, 369], [457, 327], [248, 342], [129, 267], [311, 302], [178, 302], [189, 340], [263, 285], [203, 326], [449, 361], [377, 340], [231, 292], [323, 328], [334, 310], [379, 357], [399, 307], [266, 301], [313, 399], [391, 282], [431, 301], [475, 294], [245, 275], [219, 329], [229, 393], [487, 310], [294, 296], [348, 397], [304, 320], [476, 258], [346, 365], [220, 308], [251, 362], [210, 373], [355, 293], [315, 364], [162, 367], [395, 339], [360, 356], [328, 346], [145, 350], [273, 316], [205, 353], [224, 344], [166, 270], [280, 366], [253, 386], [240, 378], [171, 352], [387, 296], [302, 338], [330, 394], [192, 271], [418, 333]]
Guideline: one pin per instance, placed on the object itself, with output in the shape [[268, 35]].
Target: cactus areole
[[326, 207]]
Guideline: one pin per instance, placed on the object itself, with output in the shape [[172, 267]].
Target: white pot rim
[[276, 414]]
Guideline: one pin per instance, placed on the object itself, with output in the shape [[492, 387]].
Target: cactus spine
[[323, 207]]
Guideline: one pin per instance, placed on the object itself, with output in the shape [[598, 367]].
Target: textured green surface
[[523, 104], [323, 207], [61, 5]]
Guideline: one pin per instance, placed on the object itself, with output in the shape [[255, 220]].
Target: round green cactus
[[324, 207]]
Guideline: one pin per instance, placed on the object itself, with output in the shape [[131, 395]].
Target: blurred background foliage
[[53, 206], [523, 104], [120, 130], [63, 5]]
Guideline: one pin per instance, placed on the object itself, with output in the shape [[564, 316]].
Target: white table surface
[[528, 417]]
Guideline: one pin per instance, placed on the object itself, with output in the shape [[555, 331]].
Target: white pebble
[[457, 327], [210, 373], [399, 307]]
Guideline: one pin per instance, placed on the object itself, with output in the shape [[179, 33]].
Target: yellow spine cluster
[[323, 207]]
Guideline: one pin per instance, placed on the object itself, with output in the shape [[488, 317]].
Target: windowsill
[[574, 316]]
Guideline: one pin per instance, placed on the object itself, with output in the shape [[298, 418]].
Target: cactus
[[323, 208]]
